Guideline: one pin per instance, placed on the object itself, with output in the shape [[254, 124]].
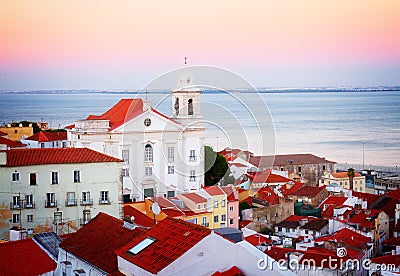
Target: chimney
[[303, 222], [3, 158], [67, 268], [146, 105]]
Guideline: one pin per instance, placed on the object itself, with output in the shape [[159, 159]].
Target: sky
[[47, 44]]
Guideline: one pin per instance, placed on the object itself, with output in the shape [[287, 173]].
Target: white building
[[58, 189], [46, 140], [162, 155]]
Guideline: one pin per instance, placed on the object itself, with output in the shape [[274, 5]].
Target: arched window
[[176, 106], [148, 153], [190, 107]]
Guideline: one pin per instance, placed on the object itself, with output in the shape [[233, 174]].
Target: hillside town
[[124, 193]]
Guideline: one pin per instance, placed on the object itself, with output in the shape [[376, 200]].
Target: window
[[54, 177], [53, 144], [306, 232], [86, 216], [192, 155], [42, 145], [148, 171], [223, 203], [16, 131], [147, 122], [198, 206], [86, 198], [171, 193], [204, 221], [15, 176], [29, 218], [64, 144], [57, 218], [77, 176], [141, 245], [216, 218], [299, 168], [279, 228], [71, 201], [205, 205], [148, 192], [50, 200], [190, 107], [32, 179], [104, 197], [323, 168], [15, 218], [223, 217], [230, 208], [29, 201], [355, 182], [192, 175], [125, 156], [170, 169], [148, 153], [231, 221], [16, 202], [215, 204], [125, 172], [170, 154]]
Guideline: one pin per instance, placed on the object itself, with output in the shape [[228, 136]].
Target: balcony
[[50, 204], [29, 205], [104, 202], [71, 202], [207, 224], [16, 205], [87, 202], [83, 221]]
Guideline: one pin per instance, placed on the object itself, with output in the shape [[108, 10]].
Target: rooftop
[[11, 143], [97, 241], [24, 257], [344, 174], [172, 238], [214, 190], [44, 136], [28, 157], [307, 191], [194, 197]]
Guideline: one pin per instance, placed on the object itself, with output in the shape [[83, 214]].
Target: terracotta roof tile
[[334, 200], [267, 194], [97, 241], [3, 134], [11, 143], [307, 191], [44, 136], [194, 197], [173, 238], [257, 239], [233, 271], [279, 253], [139, 217], [315, 225], [287, 159], [387, 259], [344, 174], [347, 236], [24, 257], [27, 157], [214, 190], [392, 241]]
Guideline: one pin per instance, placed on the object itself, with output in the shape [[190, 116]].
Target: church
[[162, 156]]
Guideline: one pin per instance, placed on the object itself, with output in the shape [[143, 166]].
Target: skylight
[[142, 245]]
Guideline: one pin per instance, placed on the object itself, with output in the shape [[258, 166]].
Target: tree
[[351, 174], [216, 168]]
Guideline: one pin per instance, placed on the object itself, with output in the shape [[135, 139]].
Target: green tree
[[351, 174], [216, 168]]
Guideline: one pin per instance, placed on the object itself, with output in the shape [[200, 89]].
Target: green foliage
[[266, 231], [35, 126], [216, 168]]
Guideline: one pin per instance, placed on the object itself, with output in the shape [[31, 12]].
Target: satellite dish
[[132, 218], [156, 208]]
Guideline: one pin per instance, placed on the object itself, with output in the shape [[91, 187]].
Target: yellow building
[[219, 206], [341, 179], [196, 209], [15, 132]]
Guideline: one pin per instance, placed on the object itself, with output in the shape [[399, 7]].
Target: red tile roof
[[233, 271], [322, 258], [214, 190], [348, 237], [394, 194], [11, 143], [124, 110], [267, 177], [364, 219], [387, 259], [392, 241], [173, 238], [257, 239], [97, 241], [231, 193], [138, 217], [267, 194], [292, 189], [194, 197], [3, 133], [28, 157], [334, 200], [44, 136], [370, 198], [287, 159], [279, 253], [344, 174], [24, 257], [307, 191], [70, 126]]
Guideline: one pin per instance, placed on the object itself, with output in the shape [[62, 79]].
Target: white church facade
[[163, 156]]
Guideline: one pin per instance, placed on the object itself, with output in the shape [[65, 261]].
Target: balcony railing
[[104, 201], [83, 221], [87, 202], [16, 205], [70, 202], [207, 224], [50, 204], [29, 205]]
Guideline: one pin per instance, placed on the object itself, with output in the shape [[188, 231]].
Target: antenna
[[185, 60]]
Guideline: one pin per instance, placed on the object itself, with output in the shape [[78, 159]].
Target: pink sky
[[82, 41]]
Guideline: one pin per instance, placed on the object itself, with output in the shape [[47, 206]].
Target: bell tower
[[186, 102]]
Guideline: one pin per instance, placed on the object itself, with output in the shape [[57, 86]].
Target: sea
[[354, 128]]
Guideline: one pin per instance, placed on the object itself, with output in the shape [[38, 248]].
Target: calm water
[[334, 125]]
